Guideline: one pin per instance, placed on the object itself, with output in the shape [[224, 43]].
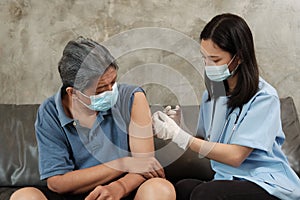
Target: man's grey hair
[[83, 60]]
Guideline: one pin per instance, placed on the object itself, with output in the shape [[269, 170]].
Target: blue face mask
[[103, 101], [219, 72]]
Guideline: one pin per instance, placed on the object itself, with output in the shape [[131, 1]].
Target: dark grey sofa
[[18, 149]]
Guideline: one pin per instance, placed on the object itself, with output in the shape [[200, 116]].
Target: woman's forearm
[[229, 154]]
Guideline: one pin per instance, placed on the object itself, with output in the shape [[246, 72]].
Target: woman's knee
[[28, 193], [156, 188], [204, 191], [185, 187]]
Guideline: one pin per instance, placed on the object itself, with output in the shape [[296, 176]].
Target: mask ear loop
[[83, 94], [231, 60], [82, 101], [232, 73]]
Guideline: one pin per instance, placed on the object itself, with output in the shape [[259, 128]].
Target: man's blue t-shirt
[[65, 146]]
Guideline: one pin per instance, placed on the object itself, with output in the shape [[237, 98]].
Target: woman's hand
[[166, 128]]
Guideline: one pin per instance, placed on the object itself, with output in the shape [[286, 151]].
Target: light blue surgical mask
[[219, 73], [103, 101]]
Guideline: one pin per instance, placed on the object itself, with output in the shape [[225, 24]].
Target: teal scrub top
[[256, 125]]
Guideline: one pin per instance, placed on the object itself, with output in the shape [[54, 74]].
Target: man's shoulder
[[127, 87], [48, 103], [48, 108], [128, 90]]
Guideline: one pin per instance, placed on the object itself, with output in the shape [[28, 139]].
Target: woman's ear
[[239, 59]]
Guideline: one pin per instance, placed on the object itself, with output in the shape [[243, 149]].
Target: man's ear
[[70, 91]]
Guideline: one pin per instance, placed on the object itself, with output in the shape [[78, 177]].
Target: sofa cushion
[[6, 192], [291, 128], [18, 154]]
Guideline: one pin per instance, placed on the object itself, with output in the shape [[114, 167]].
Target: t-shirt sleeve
[[260, 123], [54, 158]]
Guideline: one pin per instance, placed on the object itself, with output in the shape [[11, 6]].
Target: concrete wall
[[164, 60]]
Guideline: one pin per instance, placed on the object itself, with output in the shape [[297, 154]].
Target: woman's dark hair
[[83, 60], [232, 34]]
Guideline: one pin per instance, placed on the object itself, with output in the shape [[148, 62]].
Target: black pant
[[192, 189]]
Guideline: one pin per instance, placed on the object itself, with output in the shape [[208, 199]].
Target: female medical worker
[[239, 126]]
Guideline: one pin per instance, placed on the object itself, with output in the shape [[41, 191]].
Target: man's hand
[[148, 167], [112, 191]]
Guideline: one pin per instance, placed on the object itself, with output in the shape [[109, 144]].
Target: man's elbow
[[55, 184]]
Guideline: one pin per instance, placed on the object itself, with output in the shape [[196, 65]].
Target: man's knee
[[156, 188], [28, 193]]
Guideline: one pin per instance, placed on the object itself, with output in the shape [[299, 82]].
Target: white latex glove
[[175, 113], [177, 116], [166, 128]]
